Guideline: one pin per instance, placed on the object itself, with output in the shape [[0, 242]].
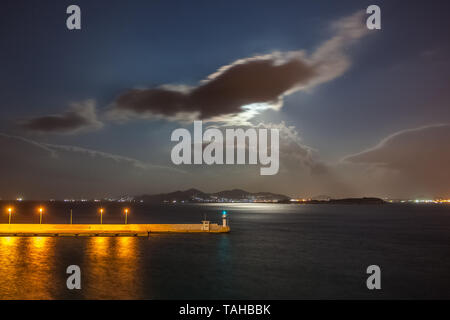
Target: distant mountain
[[232, 194], [364, 200], [242, 194], [322, 197], [194, 195], [179, 196]]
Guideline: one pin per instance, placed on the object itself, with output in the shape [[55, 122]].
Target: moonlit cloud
[[246, 87]]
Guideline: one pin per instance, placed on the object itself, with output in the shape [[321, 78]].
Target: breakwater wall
[[79, 230]]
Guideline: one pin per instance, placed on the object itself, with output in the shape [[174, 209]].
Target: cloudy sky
[[89, 113]]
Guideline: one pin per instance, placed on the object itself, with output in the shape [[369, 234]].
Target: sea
[[274, 251]]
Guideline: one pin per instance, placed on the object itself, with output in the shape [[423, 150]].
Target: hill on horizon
[[195, 195]]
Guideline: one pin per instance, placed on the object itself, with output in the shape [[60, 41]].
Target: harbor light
[[101, 215], [41, 210], [126, 215], [224, 218], [10, 210]]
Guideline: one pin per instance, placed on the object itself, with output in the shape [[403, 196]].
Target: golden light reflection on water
[[126, 247], [29, 269], [111, 268], [8, 241], [99, 246], [39, 243], [8, 272], [26, 265]]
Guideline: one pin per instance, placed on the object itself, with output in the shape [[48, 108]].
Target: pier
[[104, 230]]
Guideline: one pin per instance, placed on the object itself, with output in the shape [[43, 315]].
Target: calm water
[[273, 252]]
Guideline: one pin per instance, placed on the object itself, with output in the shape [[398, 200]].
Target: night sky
[[89, 113]]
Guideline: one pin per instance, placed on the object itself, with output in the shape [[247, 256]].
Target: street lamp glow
[[101, 215], [126, 215], [40, 214], [10, 210]]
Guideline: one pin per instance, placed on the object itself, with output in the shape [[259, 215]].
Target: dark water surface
[[273, 252]]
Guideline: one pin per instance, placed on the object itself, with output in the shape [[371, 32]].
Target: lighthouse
[[224, 219]]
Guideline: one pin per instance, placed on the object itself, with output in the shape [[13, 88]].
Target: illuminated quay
[[103, 230]]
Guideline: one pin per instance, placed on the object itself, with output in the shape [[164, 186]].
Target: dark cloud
[[247, 82], [250, 85], [81, 117]]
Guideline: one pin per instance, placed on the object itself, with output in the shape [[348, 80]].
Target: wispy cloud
[[55, 151], [414, 161]]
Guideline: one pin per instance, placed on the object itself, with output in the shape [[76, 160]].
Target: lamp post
[[9, 211], [126, 215], [40, 215], [101, 215]]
